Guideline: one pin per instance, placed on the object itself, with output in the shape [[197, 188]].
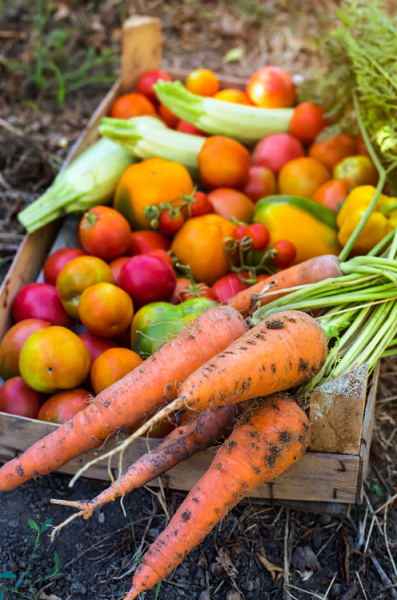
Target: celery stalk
[[247, 124], [89, 180], [148, 137]]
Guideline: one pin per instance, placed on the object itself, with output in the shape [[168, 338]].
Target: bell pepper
[[308, 225], [156, 323], [382, 220]]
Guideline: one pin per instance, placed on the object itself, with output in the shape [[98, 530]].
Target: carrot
[[310, 271], [127, 401], [196, 434], [269, 439]]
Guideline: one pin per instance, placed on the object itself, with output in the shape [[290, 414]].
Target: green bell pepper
[[156, 323]]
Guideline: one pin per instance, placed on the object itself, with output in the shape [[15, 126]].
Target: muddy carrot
[[127, 401], [269, 439], [310, 271]]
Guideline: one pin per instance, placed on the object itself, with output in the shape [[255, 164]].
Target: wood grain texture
[[141, 51]]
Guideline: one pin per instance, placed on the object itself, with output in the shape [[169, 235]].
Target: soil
[[327, 557]]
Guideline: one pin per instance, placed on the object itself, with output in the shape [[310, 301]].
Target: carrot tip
[[133, 593]]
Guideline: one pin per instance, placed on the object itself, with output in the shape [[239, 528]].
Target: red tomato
[[261, 183], [147, 279], [182, 283], [276, 150], [286, 253], [57, 260], [116, 265], [146, 82], [17, 398], [12, 342], [62, 407], [203, 291], [143, 242], [105, 233], [331, 193], [227, 287], [186, 127], [259, 235], [129, 106], [201, 206], [96, 345], [169, 224], [40, 301], [163, 255], [307, 122], [170, 119], [240, 232], [271, 87]]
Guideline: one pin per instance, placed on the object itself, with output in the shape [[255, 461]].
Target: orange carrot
[[196, 434], [127, 401], [311, 271], [266, 443]]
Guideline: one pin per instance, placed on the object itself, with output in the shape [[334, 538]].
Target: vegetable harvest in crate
[[249, 255]]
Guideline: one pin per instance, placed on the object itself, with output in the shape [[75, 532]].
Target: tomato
[[96, 345], [182, 283], [116, 265], [79, 274], [159, 430], [259, 235], [163, 255], [361, 147], [332, 151], [150, 182], [240, 232], [169, 224], [307, 122], [105, 310], [146, 82], [17, 398], [302, 177], [189, 128], [276, 150], [227, 287], [200, 244], [62, 407], [355, 171], [105, 233], [223, 162], [261, 183], [40, 301], [202, 291], [201, 205], [12, 342], [143, 242], [170, 119], [202, 82], [54, 358], [230, 203], [57, 260], [111, 366], [234, 96], [330, 194], [286, 253], [147, 279], [132, 105], [271, 87]]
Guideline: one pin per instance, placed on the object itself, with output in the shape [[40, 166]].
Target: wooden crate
[[327, 478]]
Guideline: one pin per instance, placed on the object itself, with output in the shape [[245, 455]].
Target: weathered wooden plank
[[141, 49]]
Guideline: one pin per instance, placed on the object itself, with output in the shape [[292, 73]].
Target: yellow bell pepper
[[379, 224]]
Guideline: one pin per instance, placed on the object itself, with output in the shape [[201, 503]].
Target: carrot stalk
[[311, 271], [200, 431], [126, 402], [269, 439], [280, 353]]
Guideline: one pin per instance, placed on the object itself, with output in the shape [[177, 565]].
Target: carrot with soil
[[270, 437], [196, 434], [127, 401]]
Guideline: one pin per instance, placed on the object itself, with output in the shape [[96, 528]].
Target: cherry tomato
[[143, 242], [201, 206], [240, 232], [260, 236], [203, 291], [146, 82], [286, 253], [169, 224]]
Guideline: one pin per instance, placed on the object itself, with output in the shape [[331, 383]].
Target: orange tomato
[[223, 162], [105, 233], [105, 310], [261, 183], [361, 147], [199, 243], [111, 366], [78, 275], [54, 358], [307, 122], [169, 117], [356, 170], [202, 82], [132, 105], [302, 177], [331, 193], [159, 430], [150, 182], [234, 96], [64, 405], [228, 203], [271, 87], [12, 344], [334, 150]]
